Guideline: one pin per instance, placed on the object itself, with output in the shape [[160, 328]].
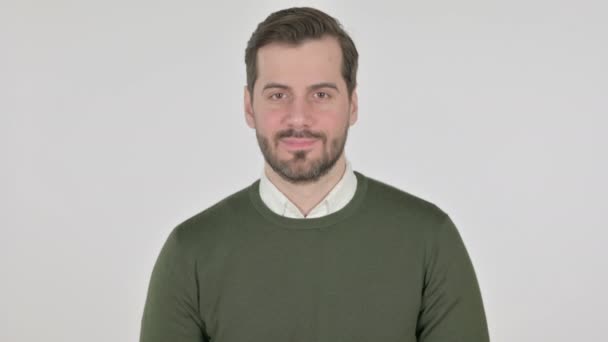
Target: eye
[[322, 95], [278, 96]]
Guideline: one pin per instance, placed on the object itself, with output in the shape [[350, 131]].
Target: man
[[313, 251]]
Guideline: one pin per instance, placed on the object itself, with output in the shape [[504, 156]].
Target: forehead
[[312, 61]]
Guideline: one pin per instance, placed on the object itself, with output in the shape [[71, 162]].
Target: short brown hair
[[293, 26]]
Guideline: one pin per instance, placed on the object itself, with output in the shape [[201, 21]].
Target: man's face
[[300, 108]]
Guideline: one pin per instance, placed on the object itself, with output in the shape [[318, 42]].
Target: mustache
[[292, 133]]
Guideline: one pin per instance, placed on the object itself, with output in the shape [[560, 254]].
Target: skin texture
[[301, 111]]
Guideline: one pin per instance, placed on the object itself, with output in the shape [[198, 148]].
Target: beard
[[302, 168]]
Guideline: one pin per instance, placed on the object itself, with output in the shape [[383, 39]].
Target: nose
[[299, 113]]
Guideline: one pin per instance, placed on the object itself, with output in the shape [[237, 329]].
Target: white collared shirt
[[335, 200]]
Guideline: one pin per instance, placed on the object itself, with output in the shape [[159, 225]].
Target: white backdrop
[[120, 119]]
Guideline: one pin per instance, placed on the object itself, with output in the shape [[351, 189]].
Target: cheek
[[267, 116], [269, 123], [335, 111], [333, 120]]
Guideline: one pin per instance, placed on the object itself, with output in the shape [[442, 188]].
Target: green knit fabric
[[387, 267]]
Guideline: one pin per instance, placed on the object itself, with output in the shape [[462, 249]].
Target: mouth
[[298, 143]]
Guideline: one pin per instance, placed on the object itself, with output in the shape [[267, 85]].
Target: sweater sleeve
[[451, 308], [171, 309]]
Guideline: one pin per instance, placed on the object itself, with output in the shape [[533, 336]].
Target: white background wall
[[120, 119]]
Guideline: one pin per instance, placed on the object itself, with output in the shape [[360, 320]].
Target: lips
[[298, 143]]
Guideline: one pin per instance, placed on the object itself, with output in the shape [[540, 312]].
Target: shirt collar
[[336, 199]]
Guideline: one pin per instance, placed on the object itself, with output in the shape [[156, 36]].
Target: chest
[[315, 286]]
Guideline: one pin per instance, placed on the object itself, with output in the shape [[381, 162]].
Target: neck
[[306, 196]]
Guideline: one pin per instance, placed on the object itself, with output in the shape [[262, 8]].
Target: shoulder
[[390, 200], [214, 221], [423, 221]]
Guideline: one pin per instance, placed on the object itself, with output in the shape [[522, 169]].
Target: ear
[[354, 108], [248, 106]]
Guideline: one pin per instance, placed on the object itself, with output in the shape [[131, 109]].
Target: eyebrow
[[311, 87], [324, 85]]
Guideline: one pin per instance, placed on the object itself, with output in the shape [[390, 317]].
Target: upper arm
[[451, 308], [171, 309]]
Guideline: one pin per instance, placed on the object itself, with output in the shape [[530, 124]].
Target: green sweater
[[388, 267]]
